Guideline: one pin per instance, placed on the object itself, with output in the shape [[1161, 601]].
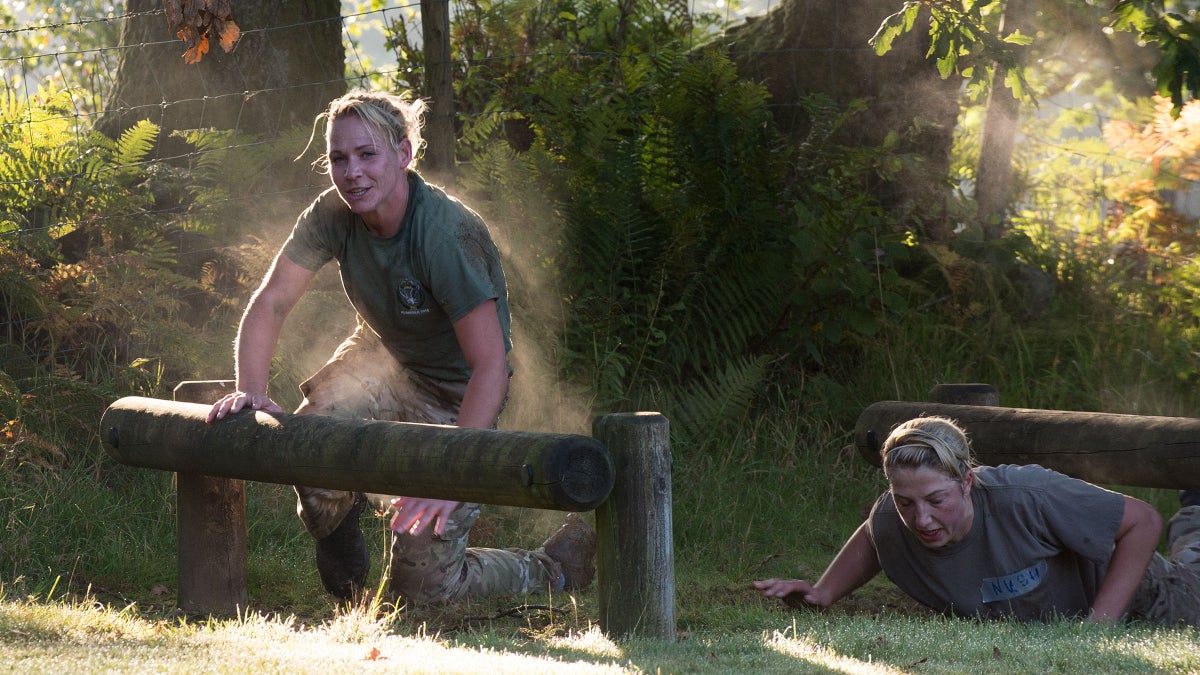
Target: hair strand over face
[[396, 118]]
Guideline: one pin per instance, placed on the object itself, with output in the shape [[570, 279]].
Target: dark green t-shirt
[[410, 288]]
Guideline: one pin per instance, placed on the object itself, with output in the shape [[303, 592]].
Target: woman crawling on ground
[[1009, 541]]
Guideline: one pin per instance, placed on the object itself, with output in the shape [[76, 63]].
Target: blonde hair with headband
[[933, 442]]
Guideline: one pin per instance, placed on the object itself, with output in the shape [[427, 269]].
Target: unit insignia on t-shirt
[[411, 295]]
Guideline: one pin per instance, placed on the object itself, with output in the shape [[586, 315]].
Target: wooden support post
[[439, 89], [211, 528], [635, 566]]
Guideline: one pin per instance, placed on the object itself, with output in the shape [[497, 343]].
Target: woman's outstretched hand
[[796, 593]]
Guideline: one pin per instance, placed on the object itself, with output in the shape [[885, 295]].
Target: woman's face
[[934, 507], [369, 174]]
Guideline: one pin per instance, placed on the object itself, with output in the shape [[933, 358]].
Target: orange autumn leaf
[[197, 51]]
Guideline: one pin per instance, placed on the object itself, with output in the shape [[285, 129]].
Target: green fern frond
[[135, 143], [712, 403], [480, 128], [749, 296]]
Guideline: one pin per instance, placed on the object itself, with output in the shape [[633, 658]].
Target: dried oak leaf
[[196, 50], [196, 21]]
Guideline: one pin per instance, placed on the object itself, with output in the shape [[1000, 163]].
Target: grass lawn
[[740, 635], [129, 624]]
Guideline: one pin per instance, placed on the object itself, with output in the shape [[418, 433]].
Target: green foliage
[[845, 252], [676, 251], [702, 258], [236, 180], [966, 39], [61, 51], [503, 49], [97, 286], [1177, 37], [91, 306], [56, 235], [1132, 259]]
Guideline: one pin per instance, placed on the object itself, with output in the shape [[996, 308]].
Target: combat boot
[[573, 547], [343, 560]]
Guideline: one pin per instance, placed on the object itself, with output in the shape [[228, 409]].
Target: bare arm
[[854, 565], [482, 342], [1137, 537], [258, 334]]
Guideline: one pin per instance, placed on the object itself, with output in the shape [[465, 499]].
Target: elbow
[[1145, 524], [1149, 520], [1155, 523]]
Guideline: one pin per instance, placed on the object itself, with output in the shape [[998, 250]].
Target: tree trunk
[[993, 175], [820, 47], [287, 66]]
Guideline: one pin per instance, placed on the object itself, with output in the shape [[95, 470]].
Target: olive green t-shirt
[[410, 288]]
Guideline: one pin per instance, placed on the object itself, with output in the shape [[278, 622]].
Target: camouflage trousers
[[1170, 590], [363, 381]]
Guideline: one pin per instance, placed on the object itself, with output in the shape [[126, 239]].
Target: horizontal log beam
[[1104, 448], [565, 472]]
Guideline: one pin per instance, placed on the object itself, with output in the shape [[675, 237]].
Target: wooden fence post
[[439, 88], [211, 528], [635, 566]]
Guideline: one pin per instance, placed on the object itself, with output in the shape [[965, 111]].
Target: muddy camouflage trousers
[[1170, 590], [363, 381]]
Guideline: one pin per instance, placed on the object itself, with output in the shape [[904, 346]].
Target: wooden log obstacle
[[545, 471], [623, 474], [1104, 448]]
